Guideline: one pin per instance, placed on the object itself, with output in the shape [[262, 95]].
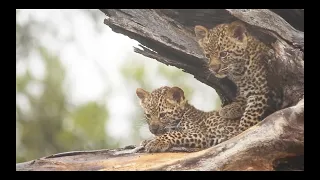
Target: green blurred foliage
[[51, 125], [90, 119]]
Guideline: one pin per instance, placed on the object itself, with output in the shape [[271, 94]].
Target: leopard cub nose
[[154, 128], [215, 67]]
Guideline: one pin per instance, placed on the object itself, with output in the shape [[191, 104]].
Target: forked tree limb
[[167, 36]]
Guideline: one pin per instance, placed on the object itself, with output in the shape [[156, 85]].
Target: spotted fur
[[234, 53], [176, 123]]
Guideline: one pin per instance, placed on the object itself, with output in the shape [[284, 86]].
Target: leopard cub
[[234, 53], [176, 123]]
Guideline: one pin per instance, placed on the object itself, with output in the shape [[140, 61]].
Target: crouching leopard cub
[[176, 123], [234, 53]]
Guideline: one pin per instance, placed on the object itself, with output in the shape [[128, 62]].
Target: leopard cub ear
[[201, 32], [238, 30], [175, 95], [141, 93]]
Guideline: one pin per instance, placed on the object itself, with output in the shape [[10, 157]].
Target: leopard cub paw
[[157, 145], [145, 142], [232, 111]]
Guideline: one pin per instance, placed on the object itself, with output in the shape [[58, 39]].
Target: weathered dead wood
[[280, 135], [268, 20], [167, 36]]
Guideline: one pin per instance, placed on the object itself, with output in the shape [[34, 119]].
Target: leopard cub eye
[[207, 56], [161, 115], [148, 115], [223, 54]]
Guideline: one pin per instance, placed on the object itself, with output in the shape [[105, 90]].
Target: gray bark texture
[[166, 35]]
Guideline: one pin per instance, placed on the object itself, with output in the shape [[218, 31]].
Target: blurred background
[[76, 82]]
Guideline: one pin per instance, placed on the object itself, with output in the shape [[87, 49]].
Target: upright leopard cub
[[179, 124], [234, 53]]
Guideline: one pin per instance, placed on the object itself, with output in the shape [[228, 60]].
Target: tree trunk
[[167, 36]]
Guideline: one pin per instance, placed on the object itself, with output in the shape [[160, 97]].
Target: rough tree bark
[[167, 36]]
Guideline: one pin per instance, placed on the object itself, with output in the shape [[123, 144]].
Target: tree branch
[[280, 135], [169, 34], [270, 21]]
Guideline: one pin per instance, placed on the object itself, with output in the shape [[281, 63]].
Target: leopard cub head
[[163, 108], [223, 45]]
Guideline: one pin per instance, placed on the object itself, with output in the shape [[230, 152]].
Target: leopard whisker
[[208, 77]]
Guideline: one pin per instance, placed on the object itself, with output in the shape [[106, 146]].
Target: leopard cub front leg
[[159, 144], [145, 142], [236, 109], [176, 139]]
